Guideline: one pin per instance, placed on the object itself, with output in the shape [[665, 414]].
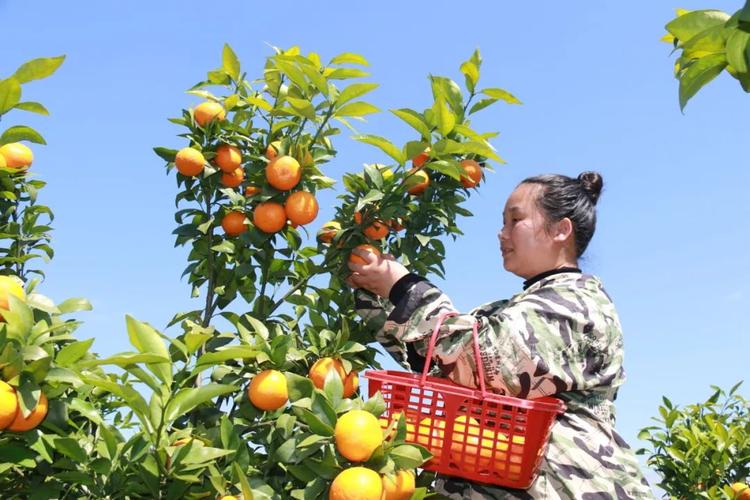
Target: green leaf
[[37, 69], [415, 120], [299, 387], [737, 44], [126, 359], [316, 424], [688, 25], [86, 409], [699, 74], [73, 352], [471, 72], [33, 107], [353, 91], [409, 456], [501, 94], [21, 133], [230, 62], [244, 484], [707, 42], [224, 354], [10, 94], [187, 399], [349, 58], [74, 305], [384, 144], [446, 120], [359, 108], [147, 340], [345, 73], [481, 104], [71, 449]]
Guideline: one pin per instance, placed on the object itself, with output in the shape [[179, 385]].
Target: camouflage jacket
[[561, 336]]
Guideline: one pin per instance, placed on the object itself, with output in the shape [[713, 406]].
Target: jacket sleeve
[[541, 344]]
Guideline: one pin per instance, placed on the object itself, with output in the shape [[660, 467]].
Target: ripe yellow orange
[[16, 155], [356, 483], [357, 434], [741, 491], [252, 191], [272, 150], [356, 259], [301, 208], [228, 497], [228, 158], [430, 435], [283, 173], [233, 179], [399, 487], [328, 232], [3, 163], [472, 173], [319, 371], [8, 405], [208, 111], [417, 181], [421, 158], [466, 454], [268, 390], [269, 217], [189, 162], [10, 285], [233, 223], [21, 423]]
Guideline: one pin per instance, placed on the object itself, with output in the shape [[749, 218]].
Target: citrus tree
[[256, 393], [709, 42], [702, 450]]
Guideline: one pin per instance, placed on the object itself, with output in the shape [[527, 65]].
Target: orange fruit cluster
[[11, 416]]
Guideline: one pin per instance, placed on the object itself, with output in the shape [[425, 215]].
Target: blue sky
[[598, 93]]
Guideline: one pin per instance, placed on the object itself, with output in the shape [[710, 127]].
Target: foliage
[[702, 449], [709, 42]]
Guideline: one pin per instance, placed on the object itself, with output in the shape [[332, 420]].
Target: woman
[[560, 336]]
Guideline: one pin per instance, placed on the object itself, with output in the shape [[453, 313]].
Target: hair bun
[[592, 184]]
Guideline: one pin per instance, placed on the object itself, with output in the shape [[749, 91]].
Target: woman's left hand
[[379, 274]]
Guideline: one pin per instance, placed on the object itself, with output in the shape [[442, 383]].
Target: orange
[[233, 223], [741, 491], [16, 155], [21, 423], [3, 163], [272, 151], [421, 158], [417, 181], [357, 435], [328, 232], [208, 111], [319, 371], [400, 487], [268, 390], [10, 285], [228, 158], [431, 435], [472, 173], [8, 404], [251, 191], [356, 483], [269, 217], [228, 497], [351, 383], [301, 208], [377, 230], [356, 259], [466, 455], [189, 162], [233, 179], [283, 173]]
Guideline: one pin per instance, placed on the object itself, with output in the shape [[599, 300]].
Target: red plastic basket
[[472, 434]]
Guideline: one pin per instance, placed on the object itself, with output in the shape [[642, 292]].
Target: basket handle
[[433, 340]]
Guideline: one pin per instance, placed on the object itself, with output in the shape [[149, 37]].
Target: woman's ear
[[563, 230]]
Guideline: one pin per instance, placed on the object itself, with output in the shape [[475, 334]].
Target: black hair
[[564, 196]]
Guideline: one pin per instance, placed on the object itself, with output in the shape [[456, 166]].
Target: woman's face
[[527, 246]]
